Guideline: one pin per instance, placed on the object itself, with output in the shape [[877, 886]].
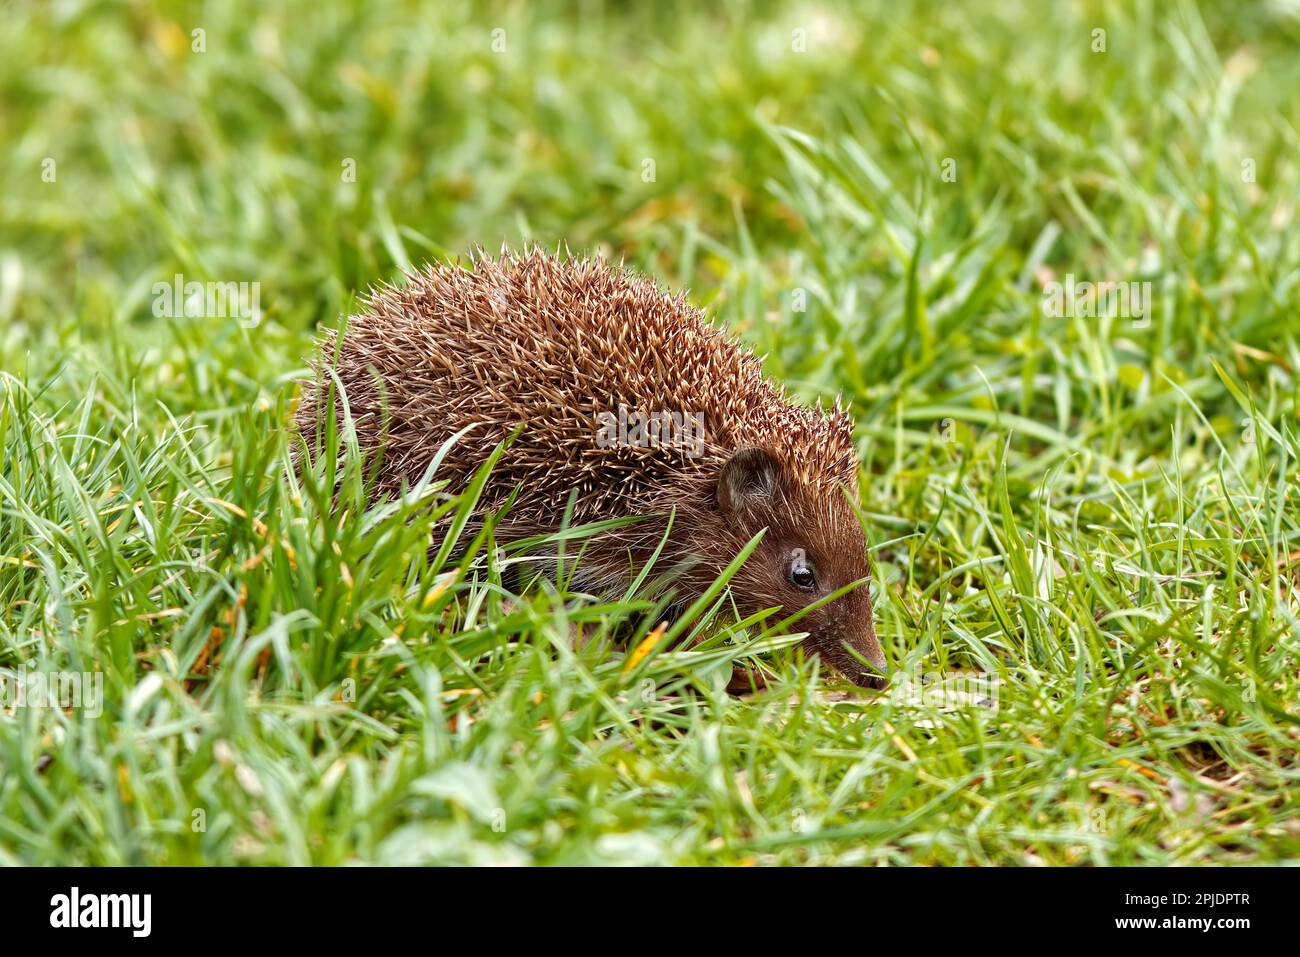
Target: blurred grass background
[[1098, 511]]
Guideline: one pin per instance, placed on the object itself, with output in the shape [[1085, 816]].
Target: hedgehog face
[[812, 548]]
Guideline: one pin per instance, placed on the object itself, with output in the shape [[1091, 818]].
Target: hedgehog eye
[[801, 571]]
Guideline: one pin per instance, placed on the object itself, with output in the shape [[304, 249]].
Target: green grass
[[1100, 512]]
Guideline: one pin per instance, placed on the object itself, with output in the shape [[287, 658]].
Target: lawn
[[1082, 506]]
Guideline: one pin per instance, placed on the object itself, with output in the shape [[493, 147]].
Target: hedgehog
[[614, 399]]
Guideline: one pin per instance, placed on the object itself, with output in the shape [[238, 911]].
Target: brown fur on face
[[546, 347], [804, 523]]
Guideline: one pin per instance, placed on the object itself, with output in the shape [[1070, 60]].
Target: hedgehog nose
[[875, 682], [878, 679]]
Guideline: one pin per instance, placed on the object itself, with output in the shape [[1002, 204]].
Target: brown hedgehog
[[629, 396]]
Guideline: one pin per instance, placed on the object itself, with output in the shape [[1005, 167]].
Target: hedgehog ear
[[747, 477]]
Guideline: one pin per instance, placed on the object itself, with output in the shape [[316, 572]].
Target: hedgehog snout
[[850, 645], [861, 675], [877, 682]]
